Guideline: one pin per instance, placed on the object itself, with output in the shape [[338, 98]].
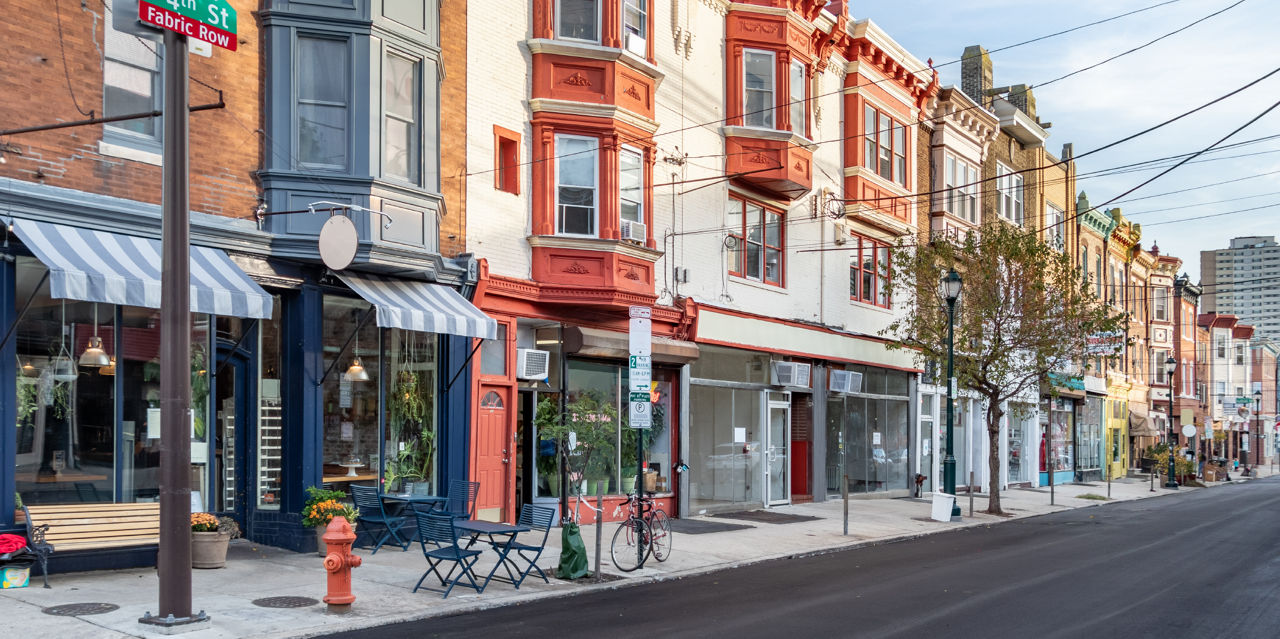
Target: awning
[[597, 342], [1140, 426], [97, 266], [419, 306]]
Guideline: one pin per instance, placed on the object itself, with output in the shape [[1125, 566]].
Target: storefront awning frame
[[421, 306]]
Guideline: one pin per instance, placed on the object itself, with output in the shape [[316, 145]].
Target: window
[[961, 191], [869, 271], [401, 118], [506, 161], [578, 20], [1160, 304], [1239, 354], [759, 245], [799, 100], [493, 354], [884, 145], [322, 102], [1221, 342], [576, 185], [635, 26], [1054, 221], [631, 185], [1084, 263], [758, 83], [1158, 358], [1009, 185], [131, 84]]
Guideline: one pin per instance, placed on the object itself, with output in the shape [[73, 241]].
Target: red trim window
[[884, 145], [757, 252], [869, 272], [506, 160]]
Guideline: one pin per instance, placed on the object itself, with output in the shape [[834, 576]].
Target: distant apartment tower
[[1244, 280]]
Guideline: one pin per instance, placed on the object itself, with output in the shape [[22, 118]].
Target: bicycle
[[645, 532]]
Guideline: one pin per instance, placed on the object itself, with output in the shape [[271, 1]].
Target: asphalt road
[[1199, 565]]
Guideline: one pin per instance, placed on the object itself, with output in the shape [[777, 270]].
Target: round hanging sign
[[338, 241], [1188, 430]]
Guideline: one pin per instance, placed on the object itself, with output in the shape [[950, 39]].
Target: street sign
[[640, 367], [1243, 401], [213, 21]]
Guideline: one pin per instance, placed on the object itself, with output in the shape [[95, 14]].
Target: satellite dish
[[338, 241]]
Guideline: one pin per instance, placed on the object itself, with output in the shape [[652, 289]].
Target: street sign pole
[[639, 379]]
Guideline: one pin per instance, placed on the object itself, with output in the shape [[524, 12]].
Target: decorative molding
[[758, 158], [537, 46], [631, 274], [607, 111], [768, 134], [576, 80], [577, 269], [721, 7], [753, 26], [628, 249], [631, 91]]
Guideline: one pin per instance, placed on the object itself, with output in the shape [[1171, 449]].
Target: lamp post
[[1257, 427], [1171, 365], [950, 289]]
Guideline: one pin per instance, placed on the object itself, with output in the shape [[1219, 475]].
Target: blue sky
[[1129, 94]]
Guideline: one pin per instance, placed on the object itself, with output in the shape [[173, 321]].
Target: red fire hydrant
[[339, 561]]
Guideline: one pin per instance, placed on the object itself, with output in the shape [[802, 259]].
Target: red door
[[493, 440]]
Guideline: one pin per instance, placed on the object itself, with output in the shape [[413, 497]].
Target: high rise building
[[1244, 280]]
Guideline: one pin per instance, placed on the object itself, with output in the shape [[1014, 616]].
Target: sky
[[1131, 93]]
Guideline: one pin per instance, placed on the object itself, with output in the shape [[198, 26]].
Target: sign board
[[640, 367], [1243, 401], [213, 21], [1108, 343], [1188, 430]]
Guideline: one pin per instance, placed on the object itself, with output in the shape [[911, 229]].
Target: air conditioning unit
[[845, 382], [532, 363], [791, 374], [634, 231]]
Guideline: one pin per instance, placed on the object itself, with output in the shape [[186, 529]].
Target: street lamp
[[1171, 365], [1257, 427], [950, 287]]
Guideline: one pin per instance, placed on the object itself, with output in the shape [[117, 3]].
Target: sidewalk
[[382, 585]]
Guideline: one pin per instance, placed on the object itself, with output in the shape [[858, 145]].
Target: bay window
[[1009, 185], [758, 87], [961, 198], [799, 97], [869, 271], [635, 26], [400, 118], [578, 20], [576, 190], [322, 102], [631, 185], [757, 252], [884, 145]]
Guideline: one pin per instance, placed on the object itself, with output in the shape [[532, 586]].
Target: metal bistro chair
[[439, 540], [373, 516], [539, 519], [460, 501]]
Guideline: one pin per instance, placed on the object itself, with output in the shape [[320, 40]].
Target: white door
[[777, 445]]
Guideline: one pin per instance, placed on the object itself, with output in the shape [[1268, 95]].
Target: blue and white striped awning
[[97, 266], [419, 306]]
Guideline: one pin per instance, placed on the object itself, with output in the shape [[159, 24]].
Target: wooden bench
[[90, 527]]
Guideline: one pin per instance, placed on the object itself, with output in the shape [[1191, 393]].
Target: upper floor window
[[758, 86], [1239, 354], [578, 20], [869, 271], [131, 83], [1009, 185], [576, 191], [758, 249], [1084, 264], [1160, 305], [631, 185], [401, 118], [961, 189], [322, 102], [799, 99], [884, 145], [1221, 343], [635, 26], [1054, 219]]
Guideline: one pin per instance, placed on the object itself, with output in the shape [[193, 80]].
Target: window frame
[[741, 235], [346, 105], [112, 132], [595, 187], [878, 275], [639, 168], [559, 13], [798, 104], [959, 178], [769, 114], [882, 155], [1054, 220], [626, 35], [506, 160], [414, 162], [1010, 203]]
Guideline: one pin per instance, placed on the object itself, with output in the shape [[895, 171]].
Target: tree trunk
[[994, 413]]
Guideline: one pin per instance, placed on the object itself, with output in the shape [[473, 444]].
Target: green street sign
[[640, 397], [213, 21], [1243, 401]]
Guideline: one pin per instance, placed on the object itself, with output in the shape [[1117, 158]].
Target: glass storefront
[[1020, 425], [868, 434], [351, 423], [1089, 440], [1057, 421], [727, 429]]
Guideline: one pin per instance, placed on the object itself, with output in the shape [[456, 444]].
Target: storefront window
[[1057, 418], [350, 450], [270, 411], [731, 365], [725, 446], [1089, 438], [1017, 434], [411, 412], [867, 434]]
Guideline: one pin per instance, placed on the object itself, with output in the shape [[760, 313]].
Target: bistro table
[[409, 501], [500, 537]]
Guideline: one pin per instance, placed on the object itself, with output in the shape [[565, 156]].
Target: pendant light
[[356, 372], [28, 370], [109, 369], [93, 356], [64, 368]]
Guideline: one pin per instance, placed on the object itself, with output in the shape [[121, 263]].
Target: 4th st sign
[[212, 21]]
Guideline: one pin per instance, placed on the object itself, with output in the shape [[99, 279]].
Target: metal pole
[[949, 462], [1257, 448], [599, 525], [640, 548], [971, 493], [174, 559], [1173, 439], [1048, 451], [844, 492], [1108, 482]]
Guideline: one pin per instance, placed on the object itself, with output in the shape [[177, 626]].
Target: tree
[[1024, 311]]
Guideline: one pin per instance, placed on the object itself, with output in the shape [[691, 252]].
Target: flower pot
[[209, 549], [628, 485]]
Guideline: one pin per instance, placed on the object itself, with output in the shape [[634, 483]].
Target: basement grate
[[80, 609], [285, 602]]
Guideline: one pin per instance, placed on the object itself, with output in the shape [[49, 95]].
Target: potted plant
[[408, 407], [321, 507], [210, 537]]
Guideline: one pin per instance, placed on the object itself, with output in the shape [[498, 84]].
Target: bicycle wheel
[[630, 545], [660, 537]]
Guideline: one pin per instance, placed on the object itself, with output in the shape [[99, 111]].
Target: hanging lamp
[[64, 368], [109, 369], [93, 356], [356, 372], [28, 370]]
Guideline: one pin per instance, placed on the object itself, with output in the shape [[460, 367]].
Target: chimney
[[1022, 97], [976, 74]]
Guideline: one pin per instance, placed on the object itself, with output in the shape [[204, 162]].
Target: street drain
[[285, 602], [80, 609]]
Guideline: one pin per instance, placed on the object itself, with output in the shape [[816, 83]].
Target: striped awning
[[97, 266], [419, 306]]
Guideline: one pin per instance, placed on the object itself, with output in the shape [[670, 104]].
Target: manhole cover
[[285, 602], [79, 609]]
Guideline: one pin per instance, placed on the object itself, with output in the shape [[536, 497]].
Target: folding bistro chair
[[439, 545], [461, 499], [539, 519], [373, 516]]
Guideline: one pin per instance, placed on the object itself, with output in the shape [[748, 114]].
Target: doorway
[[777, 444], [493, 446], [230, 410]]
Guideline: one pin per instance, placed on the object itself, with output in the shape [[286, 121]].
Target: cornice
[[768, 134], [721, 7], [867, 214], [628, 249], [877, 37], [538, 46], [606, 111]]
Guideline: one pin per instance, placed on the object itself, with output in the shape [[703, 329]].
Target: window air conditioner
[[791, 374], [634, 231], [532, 363], [845, 382]]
